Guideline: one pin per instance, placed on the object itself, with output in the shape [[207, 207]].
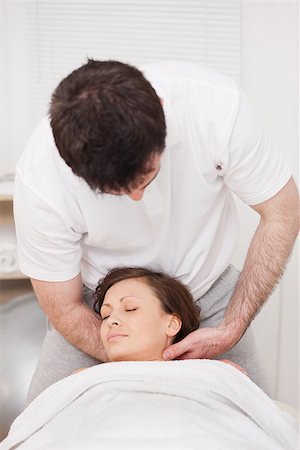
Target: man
[[138, 169]]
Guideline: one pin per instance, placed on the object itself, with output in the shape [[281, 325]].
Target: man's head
[[109, 126]]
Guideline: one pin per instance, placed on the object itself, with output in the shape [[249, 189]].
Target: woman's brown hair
[[174, 296]]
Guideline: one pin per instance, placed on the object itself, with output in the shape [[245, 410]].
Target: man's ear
[[174, 325], [161, 101]]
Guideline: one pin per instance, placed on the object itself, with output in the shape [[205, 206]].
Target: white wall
[[269, 75], [15, 101]]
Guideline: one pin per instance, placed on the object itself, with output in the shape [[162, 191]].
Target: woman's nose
[[114, 320]]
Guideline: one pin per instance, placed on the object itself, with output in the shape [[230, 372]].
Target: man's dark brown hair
[[107, 122], [174, 296]]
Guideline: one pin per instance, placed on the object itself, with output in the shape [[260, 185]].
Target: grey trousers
[[59, 358]]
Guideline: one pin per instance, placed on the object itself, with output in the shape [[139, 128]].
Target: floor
[[22, 328]]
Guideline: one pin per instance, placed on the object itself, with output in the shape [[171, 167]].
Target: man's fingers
[[206, 343], [186, 355], [175, 350]]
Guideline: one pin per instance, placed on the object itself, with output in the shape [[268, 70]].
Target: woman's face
[[135, 327]]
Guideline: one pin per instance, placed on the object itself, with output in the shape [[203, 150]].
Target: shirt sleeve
[[252, 166], [48, 248]]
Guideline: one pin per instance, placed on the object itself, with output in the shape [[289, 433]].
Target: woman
[[140, 401], [143, 312]]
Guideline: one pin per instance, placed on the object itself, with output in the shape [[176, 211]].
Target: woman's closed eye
[[126, 310]]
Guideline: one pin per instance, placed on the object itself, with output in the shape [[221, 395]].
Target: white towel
[[194, 404], [8, 250]]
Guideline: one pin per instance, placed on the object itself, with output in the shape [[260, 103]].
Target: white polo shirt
[[186, 224]]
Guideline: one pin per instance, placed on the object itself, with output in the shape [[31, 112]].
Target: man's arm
[[266, 259], [265, 262], [73, 319]]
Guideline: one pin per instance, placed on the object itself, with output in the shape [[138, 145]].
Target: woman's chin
[[114, 357]]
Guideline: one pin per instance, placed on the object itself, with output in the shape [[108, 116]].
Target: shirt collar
[[173, 136]]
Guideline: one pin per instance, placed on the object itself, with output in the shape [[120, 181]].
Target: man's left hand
[[205, 343]]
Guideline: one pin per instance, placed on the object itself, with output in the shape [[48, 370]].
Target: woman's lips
[[116, 336]]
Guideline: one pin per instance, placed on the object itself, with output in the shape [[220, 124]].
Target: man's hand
[[206, 343], [266, 258], [63, 304]]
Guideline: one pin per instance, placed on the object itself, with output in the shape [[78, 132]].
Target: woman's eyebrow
[[121, 299]]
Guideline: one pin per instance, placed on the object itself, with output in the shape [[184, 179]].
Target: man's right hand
[[63, 304]]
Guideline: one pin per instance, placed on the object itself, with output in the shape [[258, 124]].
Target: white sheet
[[154, 405]]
